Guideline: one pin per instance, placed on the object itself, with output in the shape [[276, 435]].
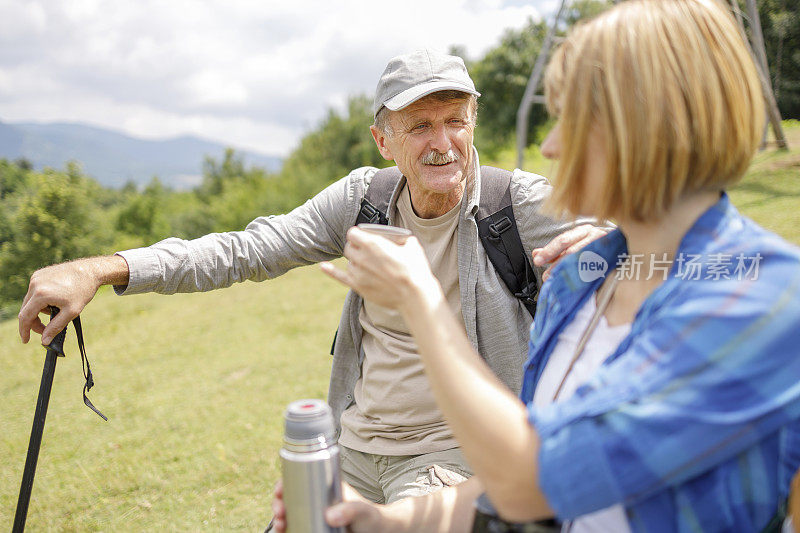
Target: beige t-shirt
[[394, 411]]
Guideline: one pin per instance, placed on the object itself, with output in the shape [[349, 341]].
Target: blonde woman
[[662, 391]]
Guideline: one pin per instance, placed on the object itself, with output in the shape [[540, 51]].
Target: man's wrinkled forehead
[[433, 105]]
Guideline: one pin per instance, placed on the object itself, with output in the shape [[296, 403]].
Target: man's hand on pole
[[68, 286]]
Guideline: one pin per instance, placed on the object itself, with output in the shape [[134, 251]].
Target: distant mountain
[[114, 158]]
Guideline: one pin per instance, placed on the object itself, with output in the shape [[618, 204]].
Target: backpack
[[497, 228]]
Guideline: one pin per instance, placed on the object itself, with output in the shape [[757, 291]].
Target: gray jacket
[[496, 322]]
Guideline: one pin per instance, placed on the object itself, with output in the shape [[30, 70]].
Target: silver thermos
[[310, 465]]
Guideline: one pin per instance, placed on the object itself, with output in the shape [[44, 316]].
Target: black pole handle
[[54, 349]]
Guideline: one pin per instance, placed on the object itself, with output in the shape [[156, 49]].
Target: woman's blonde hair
[[675, 94]]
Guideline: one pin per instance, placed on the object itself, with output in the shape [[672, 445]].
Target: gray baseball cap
[[409, 77]]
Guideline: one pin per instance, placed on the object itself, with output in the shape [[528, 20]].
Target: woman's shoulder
[[738, 276]]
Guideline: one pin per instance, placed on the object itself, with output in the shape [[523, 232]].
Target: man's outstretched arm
[[267, 248], [68, 286]]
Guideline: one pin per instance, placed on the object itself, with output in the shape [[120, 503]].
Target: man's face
[[431, 142]]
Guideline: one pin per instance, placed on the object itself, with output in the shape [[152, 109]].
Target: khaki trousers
[[387, 478]]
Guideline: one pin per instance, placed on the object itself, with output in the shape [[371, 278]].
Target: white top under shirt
[[603, 341]]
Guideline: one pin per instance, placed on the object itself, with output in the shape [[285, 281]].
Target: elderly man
[[394, 440]]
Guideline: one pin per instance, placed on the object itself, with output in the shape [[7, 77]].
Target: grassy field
[[195, 386], [770, 192]]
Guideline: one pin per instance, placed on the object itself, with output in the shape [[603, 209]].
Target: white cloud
[[252, 73], [215, 87]]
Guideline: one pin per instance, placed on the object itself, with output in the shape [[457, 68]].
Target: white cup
[[393, 233]]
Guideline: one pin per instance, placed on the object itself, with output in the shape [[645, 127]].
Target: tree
[[5, 224], [217, 175], [584, 10], [53, 223], [501, 77], [23, 163], [13, 176], [240, 202], [341, 143], [780, 23], [143, 215]]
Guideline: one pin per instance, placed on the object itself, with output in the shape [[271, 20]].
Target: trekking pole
[[54, 350]]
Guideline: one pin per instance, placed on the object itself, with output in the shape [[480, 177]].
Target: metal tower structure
[[755, 43]]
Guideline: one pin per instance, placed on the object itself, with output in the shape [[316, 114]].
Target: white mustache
[[438, 158]]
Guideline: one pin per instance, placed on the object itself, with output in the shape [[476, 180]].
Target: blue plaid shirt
[[693, 423]]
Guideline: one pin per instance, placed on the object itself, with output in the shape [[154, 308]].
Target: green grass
[[770, 192], [195, 386]]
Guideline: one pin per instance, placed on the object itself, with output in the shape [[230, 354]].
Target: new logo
[[591, 266]]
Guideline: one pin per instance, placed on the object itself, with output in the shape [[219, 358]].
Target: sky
[[254, 74]]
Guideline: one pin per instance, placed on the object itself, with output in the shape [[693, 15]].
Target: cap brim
[[413, 94]]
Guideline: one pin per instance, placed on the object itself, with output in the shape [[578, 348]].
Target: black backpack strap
[[499, 235], [375, 203]]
